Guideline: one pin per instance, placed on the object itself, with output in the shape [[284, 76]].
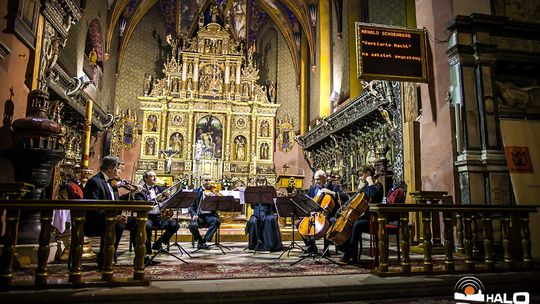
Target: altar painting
[[209, 135]]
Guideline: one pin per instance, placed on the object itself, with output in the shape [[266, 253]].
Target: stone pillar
[[481, 165]]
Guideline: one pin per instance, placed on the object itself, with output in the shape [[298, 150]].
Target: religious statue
[[218, 48], [93, 57], [151, 123], [173, 42], [264, 151], [150, 146], [208, 142], [265, 129], [198, 149], [250, 53], [201, 19], [176, 141], [177, 82], [272, 92], [147, 84], [214, 12], [240, 142], [169, 153], [52, 53]]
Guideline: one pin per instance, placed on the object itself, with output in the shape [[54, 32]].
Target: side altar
[[208, 114]]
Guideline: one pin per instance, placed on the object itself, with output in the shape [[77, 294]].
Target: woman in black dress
[[262, 227]]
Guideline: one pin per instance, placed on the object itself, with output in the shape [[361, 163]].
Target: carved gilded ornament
[[285, 136], [125, 130], [207, 117]]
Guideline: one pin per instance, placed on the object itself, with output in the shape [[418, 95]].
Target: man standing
[[200, 217], [100, 188]]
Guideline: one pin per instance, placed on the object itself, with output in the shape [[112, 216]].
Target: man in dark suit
[[374, 193], [200, 217], [323, 185], [100, 188], [156, 193]]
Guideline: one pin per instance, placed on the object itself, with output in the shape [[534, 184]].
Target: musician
[[323, 185], [200, 217], [262, 227], [73, 184], [151, 192], [99, 188], [373, 191]]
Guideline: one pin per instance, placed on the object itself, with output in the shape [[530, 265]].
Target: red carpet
[[58, 273]]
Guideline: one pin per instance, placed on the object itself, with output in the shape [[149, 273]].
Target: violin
[[125, 184]]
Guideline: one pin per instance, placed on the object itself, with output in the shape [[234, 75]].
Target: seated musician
[[374, 193], [200, 217], [262, 227], [156, 194], [323, 185]]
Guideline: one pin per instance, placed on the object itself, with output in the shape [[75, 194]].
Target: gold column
[[304, 85], [87, 134], [353, 9], [37, 56], [325, 58]]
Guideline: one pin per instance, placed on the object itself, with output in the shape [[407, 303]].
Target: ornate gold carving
[[210, 109], [125, 130], [286, 134]]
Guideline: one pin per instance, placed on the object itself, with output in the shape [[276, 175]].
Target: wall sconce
[[297, 39], [313, 14]]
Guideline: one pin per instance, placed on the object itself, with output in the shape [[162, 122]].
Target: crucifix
[[169, 153]]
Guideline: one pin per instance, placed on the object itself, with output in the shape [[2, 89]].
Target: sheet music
[[238, 195]]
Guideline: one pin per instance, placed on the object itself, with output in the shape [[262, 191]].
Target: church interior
[[418, 120]]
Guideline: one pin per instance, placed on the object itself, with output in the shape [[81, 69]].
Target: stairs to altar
[[236, 233]]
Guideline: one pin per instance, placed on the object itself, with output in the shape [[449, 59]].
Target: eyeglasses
[[207, 180]]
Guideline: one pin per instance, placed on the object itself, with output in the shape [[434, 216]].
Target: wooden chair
[[391, 227]]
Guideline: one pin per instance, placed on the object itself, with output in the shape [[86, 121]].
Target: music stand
[[261, 195], [287, 207], [176, 201], [220, 203], [307, 207]]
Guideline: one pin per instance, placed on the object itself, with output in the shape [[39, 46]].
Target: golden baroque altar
[[208, 114]]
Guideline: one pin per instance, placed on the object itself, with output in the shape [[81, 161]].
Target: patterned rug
[[203, 271]]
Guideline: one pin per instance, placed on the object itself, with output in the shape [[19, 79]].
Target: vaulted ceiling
[[292, 17]]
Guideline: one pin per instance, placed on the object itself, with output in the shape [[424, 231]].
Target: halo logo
[[470, 290]]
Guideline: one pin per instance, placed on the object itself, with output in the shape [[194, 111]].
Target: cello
[[340, 232], [317, 225]]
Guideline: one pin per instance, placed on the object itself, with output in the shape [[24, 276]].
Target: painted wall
[[13, 69], [340, 54], [436, 131], [279, 66], [288, 94], [142, 57], [467, 7]]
